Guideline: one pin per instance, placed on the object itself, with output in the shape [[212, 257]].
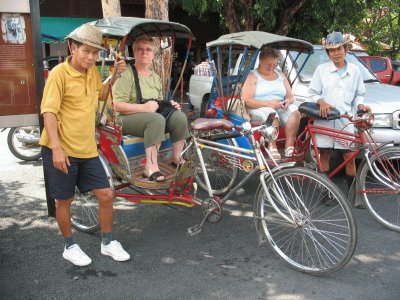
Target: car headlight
[[383, 120]]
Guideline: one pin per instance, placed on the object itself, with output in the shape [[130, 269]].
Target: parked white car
[[383, 99]]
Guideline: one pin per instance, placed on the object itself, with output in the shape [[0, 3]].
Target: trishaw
[[377, 184], [288, 209], [232, 57]]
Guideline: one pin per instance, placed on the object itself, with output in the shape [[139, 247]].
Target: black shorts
[[85, 173], [337, 150]]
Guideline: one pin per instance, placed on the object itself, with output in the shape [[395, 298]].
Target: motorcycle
[[23, 142]]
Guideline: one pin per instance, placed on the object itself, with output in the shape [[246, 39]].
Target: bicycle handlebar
[[361, 119], [221, 136], [240, 131]]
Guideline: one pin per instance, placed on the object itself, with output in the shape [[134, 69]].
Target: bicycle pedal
[[193, 230]]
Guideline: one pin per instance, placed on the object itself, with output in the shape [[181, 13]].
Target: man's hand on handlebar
[[364, 108]]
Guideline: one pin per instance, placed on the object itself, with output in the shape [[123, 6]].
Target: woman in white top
[[267, 90]]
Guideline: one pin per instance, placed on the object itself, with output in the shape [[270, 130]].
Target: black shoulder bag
[[164, 108]]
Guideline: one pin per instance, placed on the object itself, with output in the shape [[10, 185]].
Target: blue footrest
[[134, 146]]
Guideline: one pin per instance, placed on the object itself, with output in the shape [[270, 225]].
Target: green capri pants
[[152, 127]]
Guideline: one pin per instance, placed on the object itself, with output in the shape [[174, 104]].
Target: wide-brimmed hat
[[335, 40], [88, 35]]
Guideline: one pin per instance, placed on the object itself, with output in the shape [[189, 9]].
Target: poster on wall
[[13, 29], [17, 81]]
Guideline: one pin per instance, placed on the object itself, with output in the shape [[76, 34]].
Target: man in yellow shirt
[[69, 149]]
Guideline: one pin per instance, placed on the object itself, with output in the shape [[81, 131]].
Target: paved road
[[223, 262]]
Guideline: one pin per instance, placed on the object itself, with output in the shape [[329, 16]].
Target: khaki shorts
[[283, 115]]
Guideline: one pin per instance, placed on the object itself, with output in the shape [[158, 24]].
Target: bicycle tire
[[222, 174], [85, 207], [24, 151], [323, 237], [373, 191]]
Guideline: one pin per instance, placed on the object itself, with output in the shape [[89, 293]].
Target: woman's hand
[[286, 103], [176, 105], [275, 104], [150, 106]]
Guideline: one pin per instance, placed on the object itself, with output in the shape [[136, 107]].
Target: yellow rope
[[150, 201]]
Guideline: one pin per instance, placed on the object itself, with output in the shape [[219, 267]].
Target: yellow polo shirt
[[72, 97]]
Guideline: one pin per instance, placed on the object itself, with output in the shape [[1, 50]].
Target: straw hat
[[87, 34], [335, 40]]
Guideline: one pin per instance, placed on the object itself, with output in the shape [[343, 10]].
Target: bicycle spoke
[[322, 237], [380, 187]]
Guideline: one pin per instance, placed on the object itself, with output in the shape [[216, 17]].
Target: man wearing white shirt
[[338, 84]]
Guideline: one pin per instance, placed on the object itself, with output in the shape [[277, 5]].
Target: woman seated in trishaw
[[139, 118]]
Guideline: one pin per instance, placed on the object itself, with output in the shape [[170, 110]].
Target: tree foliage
[[305, 19], [373, 21], [381, 25]]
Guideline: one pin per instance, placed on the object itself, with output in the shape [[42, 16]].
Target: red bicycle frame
[[347, 139]]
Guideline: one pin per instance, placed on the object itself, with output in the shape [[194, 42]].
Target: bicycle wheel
[[221, 171], [23, 142], [319, 236], [383, 200], [85, 207]]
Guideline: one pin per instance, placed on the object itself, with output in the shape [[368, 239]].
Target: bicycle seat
[[209, 124], [312, 109]]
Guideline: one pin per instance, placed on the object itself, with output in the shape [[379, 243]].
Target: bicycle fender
[[284, 166], [381, 146], [353, 195]]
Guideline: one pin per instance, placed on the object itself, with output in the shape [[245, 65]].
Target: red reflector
[[211, 113]]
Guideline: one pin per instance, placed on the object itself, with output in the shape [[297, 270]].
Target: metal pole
[[39, 82]]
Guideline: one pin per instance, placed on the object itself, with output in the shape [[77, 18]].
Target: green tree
[[381, 24], [305, 19]]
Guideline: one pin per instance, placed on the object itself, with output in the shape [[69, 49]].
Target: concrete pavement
[[222, 262]]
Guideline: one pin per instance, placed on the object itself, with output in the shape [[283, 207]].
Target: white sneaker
[[115, 250], [75, 255]]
